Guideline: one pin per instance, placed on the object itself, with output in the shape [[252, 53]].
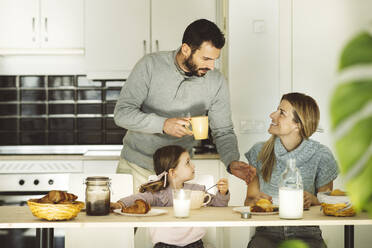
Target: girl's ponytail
[[165, 158]]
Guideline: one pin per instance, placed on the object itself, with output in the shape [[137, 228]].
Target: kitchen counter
[[97, 155]]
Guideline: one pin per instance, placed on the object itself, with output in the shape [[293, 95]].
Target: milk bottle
[[291, 193]]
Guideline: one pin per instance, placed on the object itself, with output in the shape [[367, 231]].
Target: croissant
[[263, 205], [139, 207], [57, 196]]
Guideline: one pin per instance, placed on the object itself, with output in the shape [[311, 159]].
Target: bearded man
[[161, 94]]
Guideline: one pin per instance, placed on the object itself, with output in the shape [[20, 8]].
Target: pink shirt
[[180, 236]]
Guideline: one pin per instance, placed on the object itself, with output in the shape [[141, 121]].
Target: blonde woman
[[295, 120]]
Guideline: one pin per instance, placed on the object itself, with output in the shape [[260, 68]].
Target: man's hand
[[177, 127], [242, 170]]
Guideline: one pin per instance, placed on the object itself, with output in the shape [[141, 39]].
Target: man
[[163, 90]]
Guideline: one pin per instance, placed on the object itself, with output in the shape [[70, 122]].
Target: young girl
[[295, 120], [173, 167]]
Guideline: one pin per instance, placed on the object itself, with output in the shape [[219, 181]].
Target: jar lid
[[245, 215], [97, 178]]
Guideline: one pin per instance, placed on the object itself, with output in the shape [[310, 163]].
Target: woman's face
[[282, 123], [185, 169]]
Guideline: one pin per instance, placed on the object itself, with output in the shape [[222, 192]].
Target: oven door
[[24, 238]]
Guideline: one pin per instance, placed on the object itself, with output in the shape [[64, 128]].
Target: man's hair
[[201, 31]]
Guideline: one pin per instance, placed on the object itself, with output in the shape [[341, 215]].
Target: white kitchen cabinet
[[41, 26], [119, 32], [100, 166]]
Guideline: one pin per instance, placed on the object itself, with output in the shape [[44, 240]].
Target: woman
[[295, 120]]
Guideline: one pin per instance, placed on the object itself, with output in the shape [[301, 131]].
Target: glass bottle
[[291, 192], [97, 195]]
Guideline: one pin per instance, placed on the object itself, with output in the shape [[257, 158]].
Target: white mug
[[198, 199]]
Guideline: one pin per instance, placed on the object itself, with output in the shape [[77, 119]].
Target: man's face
[[200, 61]]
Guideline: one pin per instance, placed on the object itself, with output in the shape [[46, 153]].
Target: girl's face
[[282, 123], [185, 169]]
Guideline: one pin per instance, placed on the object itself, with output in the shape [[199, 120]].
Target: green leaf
[[294, 243], [348, 98], [360, 188], [357, 51], [351, 147]]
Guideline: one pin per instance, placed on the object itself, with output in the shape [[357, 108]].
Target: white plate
[[248, 209], [242, 209], [152, 212]]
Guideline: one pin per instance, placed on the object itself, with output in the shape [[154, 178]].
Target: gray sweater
[[158, 89]]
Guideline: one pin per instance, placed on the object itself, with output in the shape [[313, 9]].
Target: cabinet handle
[[144, 47], [157, 45], [46, 29], [33, 29]]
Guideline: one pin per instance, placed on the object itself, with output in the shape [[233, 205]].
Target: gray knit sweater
[[158, 89]]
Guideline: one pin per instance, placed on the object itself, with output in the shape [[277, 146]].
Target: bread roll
[[139, 207], [337, 192]]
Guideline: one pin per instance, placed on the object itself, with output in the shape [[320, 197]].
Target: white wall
[[254, 85], [297, 51]]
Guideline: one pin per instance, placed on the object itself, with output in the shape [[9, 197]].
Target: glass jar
[[291, 193], [97, 195]]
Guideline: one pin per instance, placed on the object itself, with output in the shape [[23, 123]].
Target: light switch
[[258, 26], [252, 126]]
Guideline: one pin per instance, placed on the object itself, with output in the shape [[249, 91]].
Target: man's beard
[[193, 68]]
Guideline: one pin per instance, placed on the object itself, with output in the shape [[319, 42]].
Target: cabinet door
[[171, 17], [19, 23], [62, 24], [117, 36]]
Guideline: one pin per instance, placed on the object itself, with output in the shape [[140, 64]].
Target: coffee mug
[[199, 126], [198, 199]]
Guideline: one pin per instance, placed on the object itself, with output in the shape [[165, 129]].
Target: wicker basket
[[337, 209], [55, 211]]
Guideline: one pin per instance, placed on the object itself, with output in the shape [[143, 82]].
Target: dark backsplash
[[58, 110]]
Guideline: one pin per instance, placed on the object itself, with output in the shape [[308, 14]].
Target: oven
[[21, 180]]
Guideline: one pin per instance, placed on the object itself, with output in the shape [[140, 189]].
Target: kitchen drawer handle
[[144, 47], [33, 29], [157, 45], [46, 29]]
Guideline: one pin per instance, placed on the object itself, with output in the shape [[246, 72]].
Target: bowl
[[50, 211]]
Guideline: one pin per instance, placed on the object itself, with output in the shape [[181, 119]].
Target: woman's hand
[[223, 186], [251, 201], [310, 199]]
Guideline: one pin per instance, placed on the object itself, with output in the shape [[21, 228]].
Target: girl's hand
[[223, 186], [115, 205]]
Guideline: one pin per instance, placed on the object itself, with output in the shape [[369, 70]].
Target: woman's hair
[[165, 158], [306, 114], [200, 31]]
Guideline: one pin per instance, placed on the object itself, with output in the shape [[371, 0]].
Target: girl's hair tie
[[155, 178]]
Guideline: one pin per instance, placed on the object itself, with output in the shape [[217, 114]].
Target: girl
[[173, 167], [295, 120]]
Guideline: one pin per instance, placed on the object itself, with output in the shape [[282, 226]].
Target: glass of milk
[[291, 193], [181, 202]]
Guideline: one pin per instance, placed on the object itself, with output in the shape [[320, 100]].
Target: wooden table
[[21, 217]]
